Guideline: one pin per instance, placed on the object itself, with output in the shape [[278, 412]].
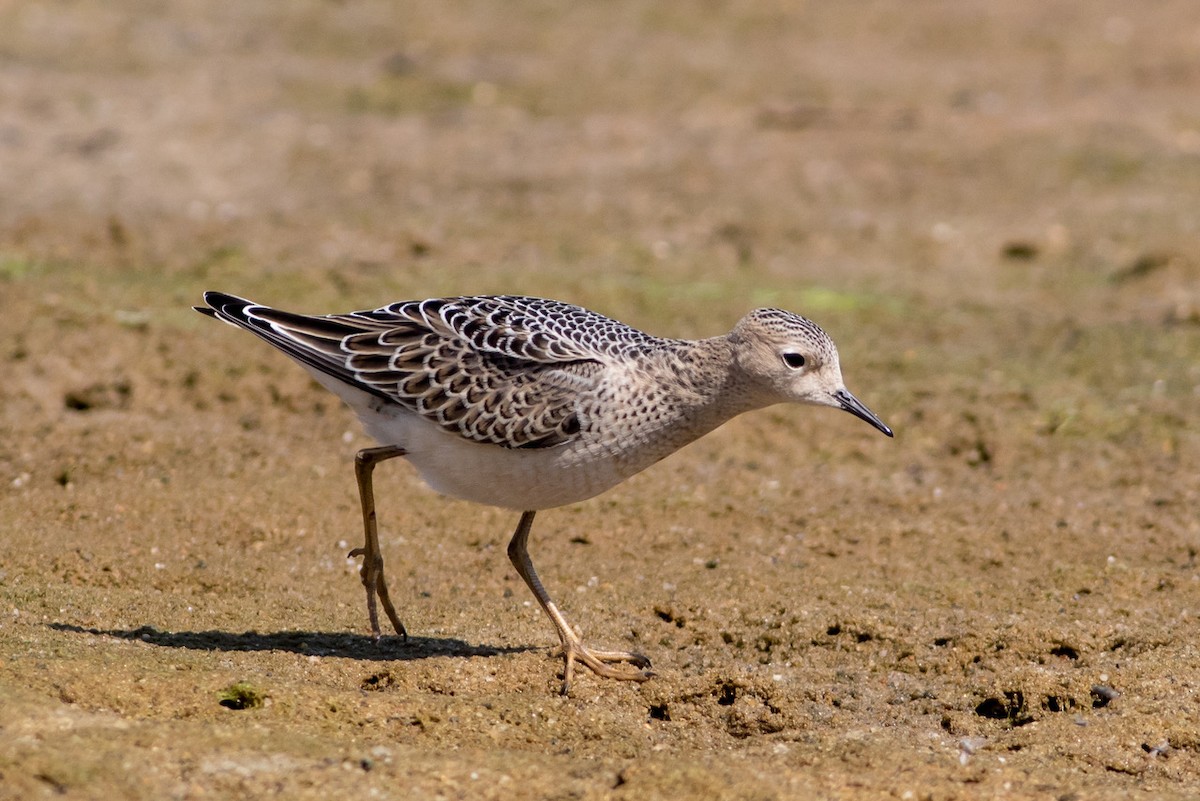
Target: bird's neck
[[691, 389], [711, 388]]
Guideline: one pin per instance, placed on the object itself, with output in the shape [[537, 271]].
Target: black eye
[[794, 360]]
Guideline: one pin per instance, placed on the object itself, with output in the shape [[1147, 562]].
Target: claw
[[600, 663]]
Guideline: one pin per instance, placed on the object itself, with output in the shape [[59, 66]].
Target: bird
[[529, 404]]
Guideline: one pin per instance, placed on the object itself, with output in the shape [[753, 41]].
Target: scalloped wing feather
[[496, 369]]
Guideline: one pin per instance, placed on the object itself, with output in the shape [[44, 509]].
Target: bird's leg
[[371, 571], [573, 648]]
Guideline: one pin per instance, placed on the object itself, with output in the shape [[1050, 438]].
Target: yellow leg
[[573, 649], [371, 571]]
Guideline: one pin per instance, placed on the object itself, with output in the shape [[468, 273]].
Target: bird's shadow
[[308, 643]]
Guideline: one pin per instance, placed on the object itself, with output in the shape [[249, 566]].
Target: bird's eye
[[794, 360]]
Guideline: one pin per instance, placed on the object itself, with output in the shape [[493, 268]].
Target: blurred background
[[759, 148]]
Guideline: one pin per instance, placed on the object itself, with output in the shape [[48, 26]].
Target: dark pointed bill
[[856, 408]]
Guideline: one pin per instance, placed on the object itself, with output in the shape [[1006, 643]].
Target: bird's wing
[[494, 369]]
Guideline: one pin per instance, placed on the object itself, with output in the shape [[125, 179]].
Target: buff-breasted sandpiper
[[529, 404]]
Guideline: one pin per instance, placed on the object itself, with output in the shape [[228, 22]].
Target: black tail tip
[[222, 303]]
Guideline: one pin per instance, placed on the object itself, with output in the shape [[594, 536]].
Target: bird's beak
[[853, 405]]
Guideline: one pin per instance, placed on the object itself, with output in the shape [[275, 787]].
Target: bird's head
[[790, 359]]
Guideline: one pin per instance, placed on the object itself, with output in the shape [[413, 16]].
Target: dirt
[[991, 207]]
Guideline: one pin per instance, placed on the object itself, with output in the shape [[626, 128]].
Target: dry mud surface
[[993, 208]]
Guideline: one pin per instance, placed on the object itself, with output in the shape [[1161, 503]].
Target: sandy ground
[[993, 208]]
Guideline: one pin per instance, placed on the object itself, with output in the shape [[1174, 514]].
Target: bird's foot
[[371, 573], [602, 663]]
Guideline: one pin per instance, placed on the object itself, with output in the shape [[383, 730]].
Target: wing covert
[[491, 369]]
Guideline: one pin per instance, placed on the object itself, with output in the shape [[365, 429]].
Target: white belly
[[513, 479], [520, 479]]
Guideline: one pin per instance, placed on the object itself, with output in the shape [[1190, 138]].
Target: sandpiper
[[528, 404]]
